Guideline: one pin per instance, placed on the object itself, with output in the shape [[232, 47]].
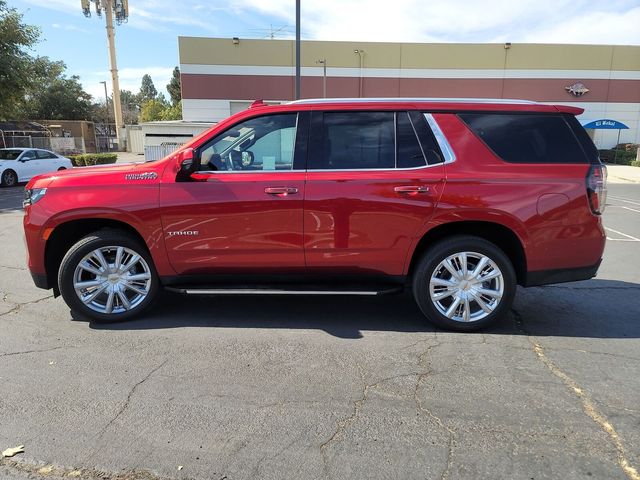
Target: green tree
[[151, 110], [15, 40], [147, 90], [51, 95], [173, 87], [173, 112]]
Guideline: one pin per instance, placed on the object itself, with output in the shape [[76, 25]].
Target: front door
[[245, 213], [373, 182], [29, 166]]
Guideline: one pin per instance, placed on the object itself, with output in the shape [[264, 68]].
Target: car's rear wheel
[[108, 276], [464, 283], [9, 178], [62, 168]]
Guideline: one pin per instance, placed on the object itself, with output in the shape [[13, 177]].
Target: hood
[[113, 174]]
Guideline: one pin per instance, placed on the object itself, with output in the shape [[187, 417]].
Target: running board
[[279, 291]]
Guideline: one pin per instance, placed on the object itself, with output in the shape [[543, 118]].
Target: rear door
[[246, 213], [48, 162], [373, 181]]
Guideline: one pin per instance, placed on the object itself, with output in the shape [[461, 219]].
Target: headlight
[[32, 195]]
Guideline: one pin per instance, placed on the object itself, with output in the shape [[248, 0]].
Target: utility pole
[[297, 49], [121, 10]]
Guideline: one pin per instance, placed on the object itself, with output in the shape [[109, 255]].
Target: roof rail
[[408, 100]]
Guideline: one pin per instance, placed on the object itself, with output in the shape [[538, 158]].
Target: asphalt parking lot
[[345, 388]]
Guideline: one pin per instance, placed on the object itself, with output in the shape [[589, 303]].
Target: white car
[[21, 164]]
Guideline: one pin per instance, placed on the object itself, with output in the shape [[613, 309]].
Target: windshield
[[8, 154]]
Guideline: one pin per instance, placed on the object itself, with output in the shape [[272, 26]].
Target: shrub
[[635, 163], [622, 157], [90, 159]]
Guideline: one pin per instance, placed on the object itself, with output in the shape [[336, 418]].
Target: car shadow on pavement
[[593, 308]]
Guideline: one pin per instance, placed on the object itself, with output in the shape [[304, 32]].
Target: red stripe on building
[[225, 87]]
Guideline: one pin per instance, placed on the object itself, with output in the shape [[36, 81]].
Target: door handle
[[411, 189], [280, 191]]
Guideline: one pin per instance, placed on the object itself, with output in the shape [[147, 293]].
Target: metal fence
[[156, 152], [61, 145]]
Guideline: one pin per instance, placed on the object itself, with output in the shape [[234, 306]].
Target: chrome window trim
[[447, 151]]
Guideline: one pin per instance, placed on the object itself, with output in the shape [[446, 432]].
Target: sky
[[147, 43]]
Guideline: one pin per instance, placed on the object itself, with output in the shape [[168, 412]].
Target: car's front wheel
[[464, 283], [9, 178], [108, 276]]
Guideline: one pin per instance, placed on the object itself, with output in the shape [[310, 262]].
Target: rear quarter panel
[[545, 205]]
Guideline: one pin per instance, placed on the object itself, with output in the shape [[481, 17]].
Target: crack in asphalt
[[30, 351], [342, 425], [437, 420], [19, 306], [124, 406], [588, 406], [13, 268]]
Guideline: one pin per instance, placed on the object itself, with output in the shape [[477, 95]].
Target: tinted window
[[356, 140], [584, 139], [427, 138], [263, 143], [9, 154], [28, 155], [527, 138], [409, 151], [45, 154]]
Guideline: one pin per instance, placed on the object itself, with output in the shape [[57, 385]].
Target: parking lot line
[[630, 238], [626, 200]]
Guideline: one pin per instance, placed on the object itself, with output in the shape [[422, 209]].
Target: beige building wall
[[219, 74]]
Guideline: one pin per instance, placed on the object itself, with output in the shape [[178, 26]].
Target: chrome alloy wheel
[[112, 279], [466, 286]]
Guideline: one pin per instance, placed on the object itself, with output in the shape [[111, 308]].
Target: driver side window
[[258, 144]]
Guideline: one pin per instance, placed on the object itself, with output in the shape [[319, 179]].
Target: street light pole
[[297, 49], [324, 76], [360, 52], [106, 98]]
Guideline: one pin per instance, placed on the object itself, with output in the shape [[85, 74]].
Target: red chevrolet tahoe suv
[[459, 200]]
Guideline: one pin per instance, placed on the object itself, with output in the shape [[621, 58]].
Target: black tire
[[9, 178], [431, 264], [62, 168], [106, 239]]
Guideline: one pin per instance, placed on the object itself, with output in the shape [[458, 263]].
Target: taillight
[[597, 188]]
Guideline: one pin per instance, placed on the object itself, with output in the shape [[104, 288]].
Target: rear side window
[[45, 154], [409, 150], [356, 140], [527, 138]]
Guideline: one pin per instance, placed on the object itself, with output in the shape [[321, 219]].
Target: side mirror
[[187, 164]]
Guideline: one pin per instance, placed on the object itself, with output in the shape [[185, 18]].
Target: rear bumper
[[544, 277]]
